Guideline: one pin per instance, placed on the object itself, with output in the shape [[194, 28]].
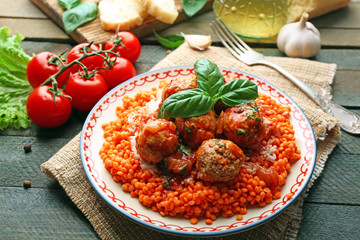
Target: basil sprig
[[191, 7], [170, 41], [77, 16], [68, 4], [211, 88]]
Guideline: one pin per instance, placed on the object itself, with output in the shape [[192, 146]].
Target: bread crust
[[163, 10], [124, 14], [313, 7]]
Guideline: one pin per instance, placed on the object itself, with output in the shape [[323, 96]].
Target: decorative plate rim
[[311, 162]]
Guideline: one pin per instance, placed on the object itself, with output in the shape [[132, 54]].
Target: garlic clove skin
[[299, 39], [198, 42]]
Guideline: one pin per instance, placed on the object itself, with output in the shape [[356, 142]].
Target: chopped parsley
[[240, 131], [184, 149], [220, 143], [188, 130], [182, 171]]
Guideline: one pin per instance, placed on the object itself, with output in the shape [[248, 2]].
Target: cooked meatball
[[195, 130], [156, 140], [218, 160], [179, 84], [243, 125]]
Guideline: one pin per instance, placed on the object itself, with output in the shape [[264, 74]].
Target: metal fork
[[349, 121]]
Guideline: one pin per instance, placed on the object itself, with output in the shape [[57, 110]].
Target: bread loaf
[[313, 7], [123, 13], [163, 10]]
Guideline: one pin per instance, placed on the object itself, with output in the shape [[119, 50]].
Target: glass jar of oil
[[255, 19]]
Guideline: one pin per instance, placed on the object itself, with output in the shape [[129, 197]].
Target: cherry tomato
[[180, 163], [44, 111], [91, 63], [85, 93], [271, 177], [42, 66], [121, 71], [132, 45]]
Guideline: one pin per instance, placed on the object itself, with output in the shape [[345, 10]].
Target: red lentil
[[194, 221], [194, 199]]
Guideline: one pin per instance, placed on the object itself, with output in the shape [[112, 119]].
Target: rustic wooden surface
[[44, 211], [93, 31]]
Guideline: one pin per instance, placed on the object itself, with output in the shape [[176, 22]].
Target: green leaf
[[163, 167], [211, 89], [238, 92], [185, 149], [191, 7], [14, 114], [14, 87], [187, 103], [68, 4], [10, 80], [77, 16], [170, 41], [209, 76], [12, 57], [182, 171]]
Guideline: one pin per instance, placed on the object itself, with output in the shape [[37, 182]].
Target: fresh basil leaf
[[82, 13], [170, 41], [191, 7], [209, 76], [238, 92], [68, 4], [187, 103]]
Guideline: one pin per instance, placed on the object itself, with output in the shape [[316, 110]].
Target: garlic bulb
[[299, 39], [198, 42]]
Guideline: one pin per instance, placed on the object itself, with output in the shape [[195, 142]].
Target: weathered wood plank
[[19, 166], [41, 213], [32, 47], [347, 17], [38, 213], [20, 9], [68, 130], [338, 182], [340, 37], [323, 221], [346, 59], [346, 88], [36, 29]]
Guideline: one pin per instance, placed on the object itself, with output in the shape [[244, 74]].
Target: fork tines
[[228, 38]]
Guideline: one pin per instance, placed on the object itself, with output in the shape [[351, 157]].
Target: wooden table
[[44, 211]]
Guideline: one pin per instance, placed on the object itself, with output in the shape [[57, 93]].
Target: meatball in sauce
[[218, 160], [157, 139], [195, 130], [179, 84], [243, 125]]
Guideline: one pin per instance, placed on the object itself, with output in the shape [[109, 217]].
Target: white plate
[[104, 112]]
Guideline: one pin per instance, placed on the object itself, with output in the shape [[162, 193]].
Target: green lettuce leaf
[[14, 87], [12, 56]]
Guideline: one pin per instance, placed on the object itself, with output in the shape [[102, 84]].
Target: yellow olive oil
[[256, 19]]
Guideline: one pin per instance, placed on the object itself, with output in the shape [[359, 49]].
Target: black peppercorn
[[27, 148], [27, 184]]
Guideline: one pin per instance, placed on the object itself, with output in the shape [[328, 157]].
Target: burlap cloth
[[65, 166]]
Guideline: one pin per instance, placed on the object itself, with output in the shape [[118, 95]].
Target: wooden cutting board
[[93, 31]]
